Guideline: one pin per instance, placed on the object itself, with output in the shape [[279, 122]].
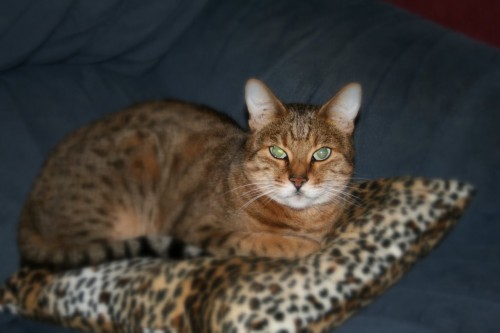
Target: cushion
[[389, 224]]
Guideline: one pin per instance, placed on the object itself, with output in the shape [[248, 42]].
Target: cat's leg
[[172, 248], [261, 244]]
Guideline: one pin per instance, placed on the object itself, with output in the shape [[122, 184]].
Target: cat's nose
[[298, 181]]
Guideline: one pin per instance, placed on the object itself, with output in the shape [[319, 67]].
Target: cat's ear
[[263, 106], [343, 108]]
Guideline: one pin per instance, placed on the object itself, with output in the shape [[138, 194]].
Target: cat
[[136, 181]]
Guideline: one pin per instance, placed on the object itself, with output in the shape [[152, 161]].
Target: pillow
[[389, 224]]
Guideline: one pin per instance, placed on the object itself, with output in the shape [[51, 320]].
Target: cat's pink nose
[[298, 181]]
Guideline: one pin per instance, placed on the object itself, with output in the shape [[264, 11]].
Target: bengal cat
[[128, 184]]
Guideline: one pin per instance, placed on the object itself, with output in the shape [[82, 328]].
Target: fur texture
[[139, 180]]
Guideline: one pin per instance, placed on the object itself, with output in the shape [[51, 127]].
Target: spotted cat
[[132, 182]]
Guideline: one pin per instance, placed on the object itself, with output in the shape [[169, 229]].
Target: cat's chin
[[296, 201]]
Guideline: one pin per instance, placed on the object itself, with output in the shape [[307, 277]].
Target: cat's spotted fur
[[126, 184]]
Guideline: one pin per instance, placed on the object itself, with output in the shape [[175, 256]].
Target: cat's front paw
[[263, 245], [298, 247], [285, 246]]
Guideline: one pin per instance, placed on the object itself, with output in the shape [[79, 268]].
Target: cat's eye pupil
[[277, 152], [322, 154]]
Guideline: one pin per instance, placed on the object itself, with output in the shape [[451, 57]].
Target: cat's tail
[[38, 253]]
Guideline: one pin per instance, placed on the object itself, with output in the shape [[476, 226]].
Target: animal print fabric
[[393, 223]]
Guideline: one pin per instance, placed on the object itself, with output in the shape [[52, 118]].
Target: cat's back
[[136, 144], [159, 116], [166, 123]]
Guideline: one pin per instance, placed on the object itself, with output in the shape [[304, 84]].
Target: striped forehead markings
[[300, 129]]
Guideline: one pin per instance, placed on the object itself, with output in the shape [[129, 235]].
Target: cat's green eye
[[322, 154], [277, 152]]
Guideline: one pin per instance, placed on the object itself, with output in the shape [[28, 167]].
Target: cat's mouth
[[298, 199]]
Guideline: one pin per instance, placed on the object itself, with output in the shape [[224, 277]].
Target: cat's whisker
[[338, 179], [256, 198], [346, 188], [339, 189], [269, 199], [335, 183], [341, 197], [340, 194], [338, 199], [257, 186], [263, 182], [250, 196], [256, 190]]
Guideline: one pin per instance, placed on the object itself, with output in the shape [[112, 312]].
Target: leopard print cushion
[[392, 223]]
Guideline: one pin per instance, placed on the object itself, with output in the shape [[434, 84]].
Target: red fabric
[[479, 19]]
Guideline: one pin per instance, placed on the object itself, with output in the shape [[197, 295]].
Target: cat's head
[[300, 155]]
